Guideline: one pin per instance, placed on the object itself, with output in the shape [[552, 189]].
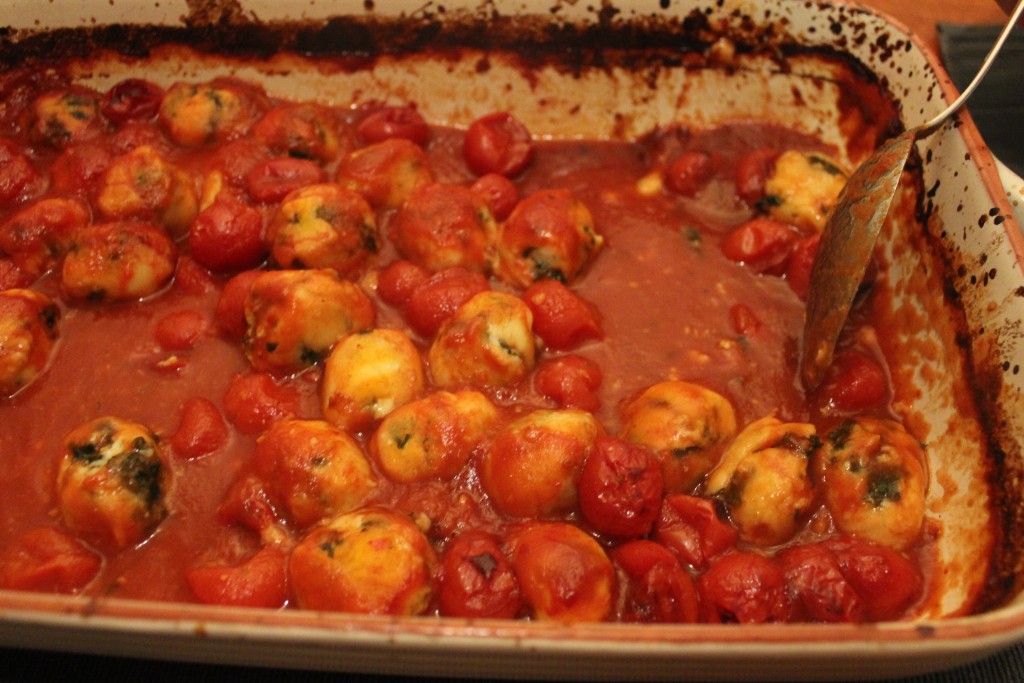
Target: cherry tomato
[[657, 588], [230, 313], [252, 402], [498, 143], [821, 589], [501, 194], [11, 276], [398, 280], [752, 172], [854, 383], [477, 579], [762, 244], [248, 504], [744, 321], [227, 236], [561, 318], [260, 581], [132, 99], [570, 381], [272, 180], [48, 561], [201, 431], [18, 179], [745, 588], [440, 296], [191, 278], [691, 527], [801, 260], [180, 330], [688, 172], [238, 158], [78, 169], [394, 122], [887, 582], [620, 488]]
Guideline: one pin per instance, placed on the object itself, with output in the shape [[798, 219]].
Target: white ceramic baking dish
[[951, 245]]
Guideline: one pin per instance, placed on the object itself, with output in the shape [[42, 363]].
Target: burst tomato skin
[[570, 381], [394, 122], [657, 588], [260, 581], [227, 236], [620, 488], [692, 528], [745, 588], [561, 318], [48, 561], [477, 580], [201, 430], [498, 143]]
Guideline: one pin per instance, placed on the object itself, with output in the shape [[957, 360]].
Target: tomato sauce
[[669, 303]]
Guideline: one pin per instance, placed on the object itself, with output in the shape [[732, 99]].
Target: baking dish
[[959, 381]]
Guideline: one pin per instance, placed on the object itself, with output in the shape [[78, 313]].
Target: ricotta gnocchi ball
[[685, 425], [487, 343], [142, 184], [38, 236], [112, 482], [874, 477], [763, 480], [549, 235], [323, 226], [387, 172], [61, 118], [369, 374], [369, 561], [563, 573], [530, 467], [118, 261], [28, 333], [305, 130], [433, 437], [802, 189], [198, 114], [294, 318], [311, 470], [442, 226]]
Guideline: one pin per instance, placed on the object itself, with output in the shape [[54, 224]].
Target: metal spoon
[[852, 229]]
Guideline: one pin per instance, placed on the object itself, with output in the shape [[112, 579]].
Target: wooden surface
[[920, 16]]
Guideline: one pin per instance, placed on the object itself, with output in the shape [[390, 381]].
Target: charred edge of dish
[[353, 42]]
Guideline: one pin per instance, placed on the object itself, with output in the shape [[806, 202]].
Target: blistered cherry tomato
[[398, 280], [498, 143], [762, 244], [752, 172], [47, 561], [821, 589], [192, 278], [801, 260], [247, 503], [18, 178], [657, 588], [231, 304], [745, 588], [227, 236], [692, 528], [854, 383], [201, 430], [394, 122], [272, 180], [477, 579], [11, 276], [689, 172], [79, 168], [570, 381], [437, 299], [886, 581], [501, 194], [560, 317], [132, 99], [180, 330], [620, 488], [252, 402], [744, 321], [260, 581]]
